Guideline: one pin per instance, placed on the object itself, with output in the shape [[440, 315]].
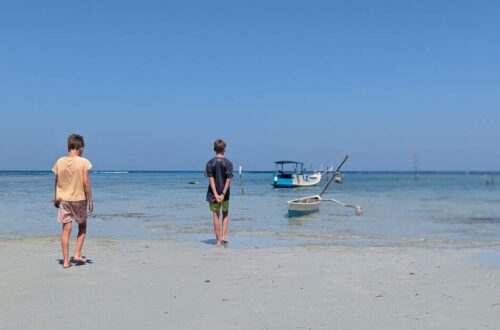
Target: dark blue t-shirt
[[220, 169]]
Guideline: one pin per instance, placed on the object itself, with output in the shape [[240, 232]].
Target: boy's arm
[[226, 188], [56, 202], [218, 197], [88, 190]]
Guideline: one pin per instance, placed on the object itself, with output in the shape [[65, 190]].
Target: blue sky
[[151, 84]]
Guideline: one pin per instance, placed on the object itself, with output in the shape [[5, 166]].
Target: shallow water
[[440, 209]]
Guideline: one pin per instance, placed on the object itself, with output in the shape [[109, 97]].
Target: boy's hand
[[56, 203], [91, 206], [219, 199]]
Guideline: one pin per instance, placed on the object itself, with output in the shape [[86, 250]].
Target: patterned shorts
[[215, 207], [70, 210]]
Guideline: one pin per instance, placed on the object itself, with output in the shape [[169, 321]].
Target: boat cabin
[[290, 173]]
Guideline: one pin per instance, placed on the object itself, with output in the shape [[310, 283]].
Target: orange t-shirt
[[69, 171]]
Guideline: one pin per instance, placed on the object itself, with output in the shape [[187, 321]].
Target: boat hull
[[296, 180], [303, 206]]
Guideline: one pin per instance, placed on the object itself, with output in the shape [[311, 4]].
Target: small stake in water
[[241, 181]]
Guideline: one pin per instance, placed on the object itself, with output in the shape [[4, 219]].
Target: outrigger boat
[[310, 204], [289, 174]]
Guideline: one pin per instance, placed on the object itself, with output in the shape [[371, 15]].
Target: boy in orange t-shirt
[[73, 194]]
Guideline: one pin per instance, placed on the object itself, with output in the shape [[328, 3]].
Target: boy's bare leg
[[216, 227], [65, 233], [82, 230], [225, 220]]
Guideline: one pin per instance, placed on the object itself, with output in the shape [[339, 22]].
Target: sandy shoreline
[[162, 284]]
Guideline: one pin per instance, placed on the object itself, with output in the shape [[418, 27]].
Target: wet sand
[[162, 284]]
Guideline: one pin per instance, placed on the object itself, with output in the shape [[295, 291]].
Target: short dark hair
[[75, 142], [219, 145]]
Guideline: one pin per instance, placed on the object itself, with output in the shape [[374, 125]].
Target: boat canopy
[[281, 162], [297, 167]]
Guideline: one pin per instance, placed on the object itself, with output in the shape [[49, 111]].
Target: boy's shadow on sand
[[74, 263], [212, 242]]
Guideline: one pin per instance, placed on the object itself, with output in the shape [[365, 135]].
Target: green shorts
[[215, 207]]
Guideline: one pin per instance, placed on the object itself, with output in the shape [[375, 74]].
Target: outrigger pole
[[359, 209], [333, 176]]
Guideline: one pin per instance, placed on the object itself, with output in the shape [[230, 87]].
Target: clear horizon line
[[267, 171]]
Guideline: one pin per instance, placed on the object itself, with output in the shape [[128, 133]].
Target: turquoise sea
[[438, 210]]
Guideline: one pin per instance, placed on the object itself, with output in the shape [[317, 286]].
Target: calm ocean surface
[[440, 209]]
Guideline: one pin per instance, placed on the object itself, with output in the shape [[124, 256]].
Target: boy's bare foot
[[79, 260], [67, 266], [217, 243], [224, 241]]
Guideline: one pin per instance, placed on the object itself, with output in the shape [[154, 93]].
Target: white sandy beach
[[161, 284]]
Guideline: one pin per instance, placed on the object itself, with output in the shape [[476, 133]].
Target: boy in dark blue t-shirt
[[219, 171]]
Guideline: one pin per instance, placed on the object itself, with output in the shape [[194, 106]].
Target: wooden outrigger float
[[310, 204]]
